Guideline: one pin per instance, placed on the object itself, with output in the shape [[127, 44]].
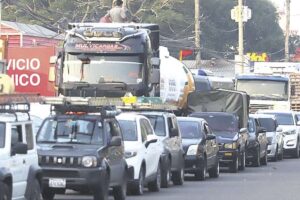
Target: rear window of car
[[268, 123], [190, 130], [129, 130]]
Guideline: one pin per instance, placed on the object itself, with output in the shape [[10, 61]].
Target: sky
[[295, 14]]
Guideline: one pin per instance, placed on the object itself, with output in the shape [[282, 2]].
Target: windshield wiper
[[45, 141]]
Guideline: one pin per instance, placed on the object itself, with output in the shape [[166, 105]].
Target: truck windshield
[[264, 89], [70, 130], [190, 130], [2, 135], [128, 130], [96, 69]]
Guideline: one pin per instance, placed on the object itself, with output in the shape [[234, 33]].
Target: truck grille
[[256, 107], [59, 161]]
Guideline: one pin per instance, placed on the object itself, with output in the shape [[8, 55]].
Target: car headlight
[[230, 145], [129, 154], [291, 142], [292, 132], [89, 161], [193, 150]]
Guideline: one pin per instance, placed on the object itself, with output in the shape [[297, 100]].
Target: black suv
[[231, 137], [83, 150], [165, 126], [200, 147]]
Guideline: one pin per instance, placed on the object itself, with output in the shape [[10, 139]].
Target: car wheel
[[178, 177], [243, 161], [35, 193], [101, 193], [215, 171], [119, 192], [280, 156], [201, 173], [276, 155], [48, 194], [264, 160], [166, 175], [256, 162], [138, 187], [234, 167], [296, 151], [6, 194], [154, 186]]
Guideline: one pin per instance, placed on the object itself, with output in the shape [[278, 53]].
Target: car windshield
[[158, 124], [262, 89], [2, 135], [221, 123], [283, 118], [129, 130], [190, 130], [268, 123], [98, 69], [69, 130]]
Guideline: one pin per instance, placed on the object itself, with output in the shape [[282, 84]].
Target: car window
[[251, 125], [29, 136], [143, 132], [2, 135], [148, 127], [129, 130], [284, 118], [220, 122], [16, 134], [268, 123], [190, 130], [158, 124]]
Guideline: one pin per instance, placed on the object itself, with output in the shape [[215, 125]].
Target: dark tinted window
[[2, 135], [158, 124], [190, 130], [283, 118], [268, 123], [128, 130]]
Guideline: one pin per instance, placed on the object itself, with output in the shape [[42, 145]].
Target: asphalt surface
[[277, 181]]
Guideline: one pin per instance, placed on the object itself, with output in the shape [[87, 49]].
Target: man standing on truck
[[118, 14]]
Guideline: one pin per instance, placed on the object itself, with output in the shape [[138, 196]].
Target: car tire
[[234, 166], [215, 171], [275, 159], [264, 160], [280, 156], [166, 175], [178, 177], [5, 191], [296, 151], [256, 162], [101, 193], [200, 175], [35, 193], [154, 186], [119, 192], [48, 194], [243, 161], [137, 188]]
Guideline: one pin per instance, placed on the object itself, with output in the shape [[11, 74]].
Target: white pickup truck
[[20, 174]]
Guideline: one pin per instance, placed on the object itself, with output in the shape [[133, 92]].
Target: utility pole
[[197, 33], [241, 34], [287, 30]]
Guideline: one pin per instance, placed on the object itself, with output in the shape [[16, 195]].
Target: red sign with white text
[[29, 68]]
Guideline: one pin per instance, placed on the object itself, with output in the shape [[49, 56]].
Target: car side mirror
[[19, 148], [279, 129], [155, 76], [115, 141], [210, 137], [150, 139]]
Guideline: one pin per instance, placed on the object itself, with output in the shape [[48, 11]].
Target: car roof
[[261, 115], [190, 119], [155, 113], [130, 116]]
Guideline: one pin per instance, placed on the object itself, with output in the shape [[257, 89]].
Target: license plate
[[228, 154], [57, 183]]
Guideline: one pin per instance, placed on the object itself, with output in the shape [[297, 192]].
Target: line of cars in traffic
[[80, 149]]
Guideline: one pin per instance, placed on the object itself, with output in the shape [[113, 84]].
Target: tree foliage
[[219, 34]]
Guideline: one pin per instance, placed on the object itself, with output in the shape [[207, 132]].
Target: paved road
[[277, 181]]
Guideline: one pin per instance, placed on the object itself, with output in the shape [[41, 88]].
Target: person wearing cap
[[118, 14]]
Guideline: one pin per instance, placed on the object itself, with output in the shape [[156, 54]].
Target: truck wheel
[[243, 161], [137, 188], [215, 171], [178, 177], [201, 173], [264, 160], [48, 194], [234, 166], [101, 193], [119, 192], [35, 193], [6, 194], [154, 186], [256, 162], [165, 175]]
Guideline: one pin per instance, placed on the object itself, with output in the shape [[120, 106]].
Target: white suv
[[143, 152], [20, 174]]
